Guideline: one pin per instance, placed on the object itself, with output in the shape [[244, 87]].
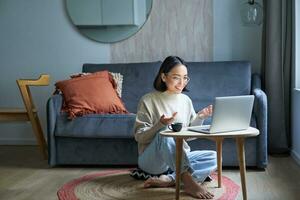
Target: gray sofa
[[108, 139]]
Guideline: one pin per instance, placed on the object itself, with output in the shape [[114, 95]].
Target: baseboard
[[295, 156], [15, 141]]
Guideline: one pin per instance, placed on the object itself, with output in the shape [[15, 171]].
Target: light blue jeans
[[160, 155]]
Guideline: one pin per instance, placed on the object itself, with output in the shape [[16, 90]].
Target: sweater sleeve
[[195, 120], [144, 127]]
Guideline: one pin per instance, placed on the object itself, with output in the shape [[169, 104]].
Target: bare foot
[[197, 191], [194, 189], [161, 181]]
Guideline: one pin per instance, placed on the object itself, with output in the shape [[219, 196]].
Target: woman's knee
[[212, 156]]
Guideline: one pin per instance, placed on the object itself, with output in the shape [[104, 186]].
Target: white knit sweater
[[152, 106]]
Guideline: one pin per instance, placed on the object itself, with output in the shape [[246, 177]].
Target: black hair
[[168, 64]]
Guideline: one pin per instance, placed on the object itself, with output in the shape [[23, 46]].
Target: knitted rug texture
[[118, 184]]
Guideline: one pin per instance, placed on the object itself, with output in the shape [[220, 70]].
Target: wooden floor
[[24, 175]]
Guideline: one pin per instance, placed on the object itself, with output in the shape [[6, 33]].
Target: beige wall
[[175, 27]]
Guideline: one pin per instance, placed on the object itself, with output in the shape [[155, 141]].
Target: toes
[[205, 195], [200, 196], [208, 195]]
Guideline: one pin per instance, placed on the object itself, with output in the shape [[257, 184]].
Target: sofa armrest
[[54, 105], [260, 111]]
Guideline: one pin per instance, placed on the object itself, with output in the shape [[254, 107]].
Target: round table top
[[250, 132]]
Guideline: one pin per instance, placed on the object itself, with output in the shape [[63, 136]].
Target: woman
[[158, 109]]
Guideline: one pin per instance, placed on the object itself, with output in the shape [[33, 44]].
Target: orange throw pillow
[[94, 93]]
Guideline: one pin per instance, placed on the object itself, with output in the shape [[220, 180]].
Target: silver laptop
[[231, 113]]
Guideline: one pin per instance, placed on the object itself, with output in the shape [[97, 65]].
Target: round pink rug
[[118, 184]]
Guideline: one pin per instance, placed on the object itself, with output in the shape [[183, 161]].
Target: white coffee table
[[239, 136]]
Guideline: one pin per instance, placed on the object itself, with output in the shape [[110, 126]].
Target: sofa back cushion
[[212, 79], [208, 80]]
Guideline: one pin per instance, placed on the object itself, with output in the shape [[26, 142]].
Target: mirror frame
[[106, 33]]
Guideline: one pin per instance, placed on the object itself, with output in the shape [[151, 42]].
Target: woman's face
[[176, 79]]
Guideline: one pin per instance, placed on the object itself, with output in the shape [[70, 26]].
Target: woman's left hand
[[205, 112]]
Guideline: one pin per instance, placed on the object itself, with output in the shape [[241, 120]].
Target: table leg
[[241, 155], [219, 142], [178, 165]]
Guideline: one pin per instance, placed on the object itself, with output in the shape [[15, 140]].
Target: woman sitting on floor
[[157, 110]]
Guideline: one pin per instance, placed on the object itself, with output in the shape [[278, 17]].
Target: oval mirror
[[108, 20]]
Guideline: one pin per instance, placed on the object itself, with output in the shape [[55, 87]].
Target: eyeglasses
[[177, 78]]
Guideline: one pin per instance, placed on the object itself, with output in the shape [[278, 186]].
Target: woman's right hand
[[168, 120]]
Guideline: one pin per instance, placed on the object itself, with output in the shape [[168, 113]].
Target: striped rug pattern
[[118, 184]]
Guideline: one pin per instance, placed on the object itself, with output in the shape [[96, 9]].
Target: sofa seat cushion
[[96, 126]]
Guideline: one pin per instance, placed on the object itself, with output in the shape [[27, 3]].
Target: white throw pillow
[[118, 78]]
